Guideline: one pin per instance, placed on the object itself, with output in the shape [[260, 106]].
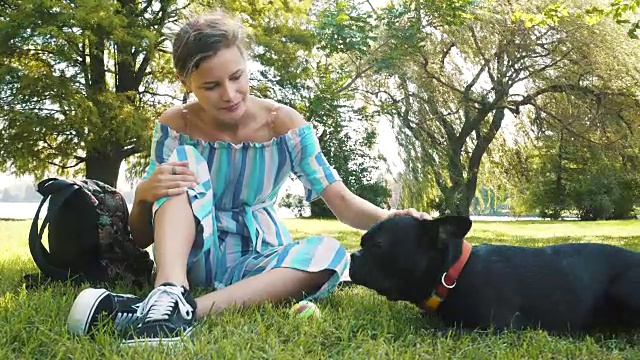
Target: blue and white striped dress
[[238, 232]]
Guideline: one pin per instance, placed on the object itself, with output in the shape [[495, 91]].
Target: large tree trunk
[[103, 166], [457, 199], [454, 202]]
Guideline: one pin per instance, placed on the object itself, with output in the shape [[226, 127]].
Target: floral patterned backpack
[[88, 236]]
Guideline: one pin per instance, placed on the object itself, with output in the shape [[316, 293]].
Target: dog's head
[[402, 258]]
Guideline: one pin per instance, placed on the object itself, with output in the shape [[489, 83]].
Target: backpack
[[89, 238]]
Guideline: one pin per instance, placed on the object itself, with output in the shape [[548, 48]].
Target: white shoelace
[[161, 301], [125, 319]]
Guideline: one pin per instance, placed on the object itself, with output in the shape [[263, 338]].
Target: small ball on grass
[[304, 310]]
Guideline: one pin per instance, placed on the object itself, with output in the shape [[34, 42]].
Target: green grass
[[356, 323]]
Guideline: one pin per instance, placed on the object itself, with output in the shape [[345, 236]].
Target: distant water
[[26, 210], [20, 210]]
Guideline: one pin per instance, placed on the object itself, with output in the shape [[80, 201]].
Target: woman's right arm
[[168, 179], [140, 222], [162, 179]]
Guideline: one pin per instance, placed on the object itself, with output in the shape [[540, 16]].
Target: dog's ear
[[452, 228], [451, 232]]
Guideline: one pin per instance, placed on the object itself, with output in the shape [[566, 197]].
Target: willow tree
[[450, 87], [582, 150]]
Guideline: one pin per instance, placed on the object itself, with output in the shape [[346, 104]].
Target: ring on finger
[[173, 170]]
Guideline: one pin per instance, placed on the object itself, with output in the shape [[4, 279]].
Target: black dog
[[560, 288]]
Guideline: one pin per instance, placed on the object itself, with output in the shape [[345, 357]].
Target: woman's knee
[[325, 243]]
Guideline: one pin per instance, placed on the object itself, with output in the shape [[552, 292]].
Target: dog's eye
[[370, 242], [366, 240]]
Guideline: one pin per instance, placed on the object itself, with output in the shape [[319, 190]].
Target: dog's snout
[[355, 257]]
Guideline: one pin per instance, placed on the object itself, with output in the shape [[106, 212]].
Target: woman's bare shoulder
[[174, 117], [285, 118]]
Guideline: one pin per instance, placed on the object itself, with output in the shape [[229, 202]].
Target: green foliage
[[326, 96], [295, 203], [76, 83], [346, 27], [488, 201], [446, 118], [608, 193], [298, 46], [449, 89], [588, 171], [623, 12], [591, 181], [370, 45], [282, 38]]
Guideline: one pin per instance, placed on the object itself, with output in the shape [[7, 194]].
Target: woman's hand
[[168, 179], [410, 212]]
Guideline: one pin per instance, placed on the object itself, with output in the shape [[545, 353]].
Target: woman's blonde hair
[[203, 37]]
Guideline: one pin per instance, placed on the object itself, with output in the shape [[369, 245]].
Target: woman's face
[[221, 85]]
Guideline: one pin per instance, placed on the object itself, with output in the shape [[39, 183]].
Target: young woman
[[206, 202]]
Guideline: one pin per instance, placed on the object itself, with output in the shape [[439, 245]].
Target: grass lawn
[[356, 323]]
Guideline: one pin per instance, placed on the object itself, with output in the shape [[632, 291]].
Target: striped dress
[[238, 233]]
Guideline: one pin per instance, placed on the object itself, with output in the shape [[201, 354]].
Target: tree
[[623, 12], [347, 50], [295, 203], [586, 169], [80, 82], [452, 86]]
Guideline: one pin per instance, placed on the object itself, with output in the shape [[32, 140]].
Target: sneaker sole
[[156, 342], [82, 310]]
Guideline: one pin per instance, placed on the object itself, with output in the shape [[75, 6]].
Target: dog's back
[[560, 287]]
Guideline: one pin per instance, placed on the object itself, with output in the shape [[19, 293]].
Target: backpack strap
[[39, 253]]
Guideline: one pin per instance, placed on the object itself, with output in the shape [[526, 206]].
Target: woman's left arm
[[357, 212], [311, 167]]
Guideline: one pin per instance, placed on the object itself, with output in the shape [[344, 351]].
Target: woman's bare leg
[[174, 233], [275, 285]]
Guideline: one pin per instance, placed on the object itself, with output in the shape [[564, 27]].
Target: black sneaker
[[169, 315], [91, 303]]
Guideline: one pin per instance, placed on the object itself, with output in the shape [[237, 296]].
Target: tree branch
[[142, 68], [485, 59], [564, 126], [373, 9], [355, 78], [539, 70], [144, 9], [446, 53], [529, 99], [65, 166], [430, 75], [130, 151], [153, 93]]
